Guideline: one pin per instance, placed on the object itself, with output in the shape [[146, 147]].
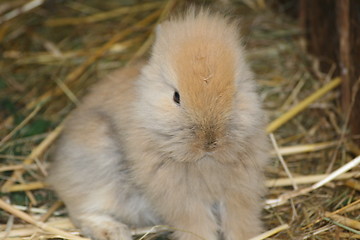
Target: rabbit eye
[[176, 98]]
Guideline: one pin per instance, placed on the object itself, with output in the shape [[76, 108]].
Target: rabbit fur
[[134, 154]]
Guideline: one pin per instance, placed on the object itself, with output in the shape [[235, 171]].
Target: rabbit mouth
[[206, 146], [210, 145], [207, 138]]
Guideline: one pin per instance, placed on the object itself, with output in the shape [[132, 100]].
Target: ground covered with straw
[[52, 51]]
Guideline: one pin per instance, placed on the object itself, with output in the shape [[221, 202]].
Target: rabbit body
[[134, 154]]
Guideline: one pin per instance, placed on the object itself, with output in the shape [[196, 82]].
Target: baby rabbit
[[178, 141]]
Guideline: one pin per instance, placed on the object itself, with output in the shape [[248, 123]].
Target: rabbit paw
[[104, 228]]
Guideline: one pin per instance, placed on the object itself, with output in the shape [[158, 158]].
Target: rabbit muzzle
[[207, 138]]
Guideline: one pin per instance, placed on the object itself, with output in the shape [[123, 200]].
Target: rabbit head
[[197, 97]]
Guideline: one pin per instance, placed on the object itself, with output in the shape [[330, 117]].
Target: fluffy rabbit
[[178, 141]]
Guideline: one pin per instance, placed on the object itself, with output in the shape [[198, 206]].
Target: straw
[[344, 220], [43, 226], [271, 232], [302, 105], [299, 180], [36, 152], [21, 125], [18, 11], [24, 187], [283, 163], [286, 196]]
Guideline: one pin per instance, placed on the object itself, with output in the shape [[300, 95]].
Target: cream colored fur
[[130, 156]]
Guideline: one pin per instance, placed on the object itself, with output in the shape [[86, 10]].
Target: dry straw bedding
[[51, 51]]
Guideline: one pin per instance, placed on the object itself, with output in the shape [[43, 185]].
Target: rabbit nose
[[207, 137], [210, 141], [210, 145]]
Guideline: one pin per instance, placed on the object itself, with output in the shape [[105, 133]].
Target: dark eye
[[176, 98]]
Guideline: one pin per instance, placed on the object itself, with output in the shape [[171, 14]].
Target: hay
[[52, 51]]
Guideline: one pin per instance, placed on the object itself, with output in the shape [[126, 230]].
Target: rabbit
[[177, 140]]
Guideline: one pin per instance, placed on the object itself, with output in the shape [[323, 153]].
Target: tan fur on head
[[203, 59], [205, 68]]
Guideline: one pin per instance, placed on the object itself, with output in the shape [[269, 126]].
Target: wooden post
[[318, 21], [349, 32], [332, 31], [344, 52]]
